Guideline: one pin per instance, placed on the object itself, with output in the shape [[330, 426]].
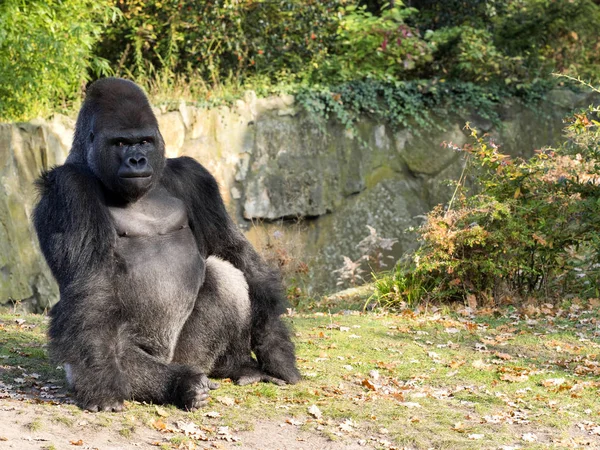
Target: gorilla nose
[[137, 161], [135, 166]]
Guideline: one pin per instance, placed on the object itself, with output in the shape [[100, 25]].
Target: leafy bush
[[46, 52], [219, 40], [378, 46], [530, 228]]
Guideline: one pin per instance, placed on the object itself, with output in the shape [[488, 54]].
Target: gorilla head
[[117, 137]]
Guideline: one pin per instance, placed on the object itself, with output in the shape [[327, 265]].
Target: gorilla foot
[[194, 391], [109, 406], [255, 376]]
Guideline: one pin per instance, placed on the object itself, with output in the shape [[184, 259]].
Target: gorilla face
[[119, 137], [129, 162]]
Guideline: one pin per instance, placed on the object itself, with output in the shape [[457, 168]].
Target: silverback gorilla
[[158, 287]]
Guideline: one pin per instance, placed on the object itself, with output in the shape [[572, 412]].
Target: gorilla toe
[[108, 406], [251, 376]]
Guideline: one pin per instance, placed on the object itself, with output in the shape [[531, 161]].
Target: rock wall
[[290, 182]]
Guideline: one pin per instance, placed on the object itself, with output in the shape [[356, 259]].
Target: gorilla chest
[[159, 268]]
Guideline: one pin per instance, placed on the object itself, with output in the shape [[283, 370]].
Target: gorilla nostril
[[137, 161]]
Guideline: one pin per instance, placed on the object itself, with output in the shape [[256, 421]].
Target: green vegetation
[[341, 56], [514, 228], [46, 53], [524, 376]]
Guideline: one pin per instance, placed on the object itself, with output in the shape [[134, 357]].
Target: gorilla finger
[[212, 385]]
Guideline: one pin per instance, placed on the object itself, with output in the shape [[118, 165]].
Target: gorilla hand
[[193, 390]]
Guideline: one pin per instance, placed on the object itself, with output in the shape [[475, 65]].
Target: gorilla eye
[[120, 144], [144, 142]]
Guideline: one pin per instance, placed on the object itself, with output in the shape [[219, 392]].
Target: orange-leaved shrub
[[522, 228]]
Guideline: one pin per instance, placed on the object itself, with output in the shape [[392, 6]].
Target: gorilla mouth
[[129, 176], [128, 173]]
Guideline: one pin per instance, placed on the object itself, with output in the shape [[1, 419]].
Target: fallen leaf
[[411, 404], [452, 330], [529, 437], [347, 426], [315, 412], [159, 425], [224, 434], [368, 384], [227, 401], [512, 378], [294, 422], [475, 436], [480, 364], [192, 430], [78, 443], [212, 414], [553, 382], [459, 427], [161, 412], [503, 356]]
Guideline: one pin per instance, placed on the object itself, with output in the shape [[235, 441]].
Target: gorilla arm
[[216, 234], [87, 329], [76, 238]]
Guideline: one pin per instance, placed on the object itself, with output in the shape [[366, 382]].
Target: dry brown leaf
[[78, 443], [159, 425], [594, 302], [456, 364], [513, 378], [227, 401], [161, 412], [398, 396], [368, 384], [553, 382], [503, 356], [459, 427]]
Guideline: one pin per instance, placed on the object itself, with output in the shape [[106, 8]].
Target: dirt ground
[[28, 426]]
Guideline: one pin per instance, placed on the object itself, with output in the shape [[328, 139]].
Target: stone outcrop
[[25, 150], [274, 163]]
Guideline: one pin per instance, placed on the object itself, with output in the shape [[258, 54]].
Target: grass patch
[[35, 425], [441, 379]]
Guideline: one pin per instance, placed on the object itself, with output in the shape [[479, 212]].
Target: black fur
[[158, 286]]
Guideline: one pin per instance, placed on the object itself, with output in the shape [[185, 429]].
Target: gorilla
[[159, 289]]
